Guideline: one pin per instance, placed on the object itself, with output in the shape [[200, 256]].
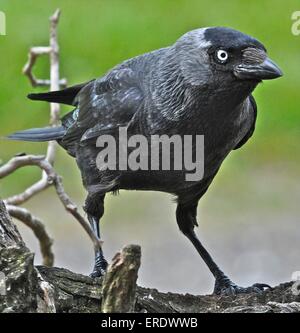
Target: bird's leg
[[95, 211], [186, 219], [100, 264]]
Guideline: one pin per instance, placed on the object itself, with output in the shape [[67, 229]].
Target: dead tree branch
[[45, 163], [52, 178], [45, 289], [53, 51], [37, 226], [33, 54], [119, 284]]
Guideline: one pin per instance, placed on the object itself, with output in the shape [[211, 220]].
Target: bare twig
[[37, 226], [54, 82], [52, 178], [33, 54], [18, 162], [49, 176], [54, 78], [31, 191], [54, 67], [72, 208], [14, 164]]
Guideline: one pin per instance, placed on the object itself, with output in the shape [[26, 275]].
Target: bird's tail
[[39, 134]]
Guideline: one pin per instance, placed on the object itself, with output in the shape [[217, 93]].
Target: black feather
[[65, 96], [39, 134]]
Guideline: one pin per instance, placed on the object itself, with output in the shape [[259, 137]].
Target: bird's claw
[[99, 268], [96, 273], [225, 286]]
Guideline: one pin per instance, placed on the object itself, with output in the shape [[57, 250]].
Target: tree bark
[[9, 234], [119, 283], [45, 289]]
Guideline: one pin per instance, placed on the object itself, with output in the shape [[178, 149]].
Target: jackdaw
[[201, 84]]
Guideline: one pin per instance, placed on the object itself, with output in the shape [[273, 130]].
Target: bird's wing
[[105, 104], [248, 135]]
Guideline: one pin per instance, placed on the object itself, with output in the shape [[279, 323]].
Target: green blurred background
[[249, 217]]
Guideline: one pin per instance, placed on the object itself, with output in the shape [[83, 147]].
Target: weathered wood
[[39, 230], [48, 289], [78, 293], [22, 288], [9, 234], [119, 285]]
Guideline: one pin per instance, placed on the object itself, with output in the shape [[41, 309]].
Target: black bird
[[202, 85]]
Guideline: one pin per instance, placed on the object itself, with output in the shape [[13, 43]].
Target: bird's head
[[224, 57]]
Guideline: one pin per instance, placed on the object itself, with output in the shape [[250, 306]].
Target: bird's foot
[[224, 286], [96, 273], [99, 268]]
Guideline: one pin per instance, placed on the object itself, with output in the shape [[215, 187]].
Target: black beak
[[267, 70]]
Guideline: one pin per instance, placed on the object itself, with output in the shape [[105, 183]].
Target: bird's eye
[[222, 56]]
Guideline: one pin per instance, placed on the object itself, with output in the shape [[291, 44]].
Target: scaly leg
[[95, 209], [186, 219]]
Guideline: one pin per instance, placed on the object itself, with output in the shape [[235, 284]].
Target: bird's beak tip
[[271, 70], [267, 70]]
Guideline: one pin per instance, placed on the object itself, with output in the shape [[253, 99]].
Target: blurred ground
[[249, 218]]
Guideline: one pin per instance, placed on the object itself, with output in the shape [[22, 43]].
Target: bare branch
[[72, 208], [33, 54], [52, 178], [53, 52], [38, 229], [54, 78], [16, 163], [31, 191], [54, 82], [49, 176]]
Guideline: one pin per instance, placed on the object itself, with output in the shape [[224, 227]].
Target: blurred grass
[[257, 183]]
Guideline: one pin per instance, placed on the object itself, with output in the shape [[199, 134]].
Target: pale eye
[[222, 56]]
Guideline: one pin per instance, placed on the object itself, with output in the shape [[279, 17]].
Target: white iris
[[222, 55]]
